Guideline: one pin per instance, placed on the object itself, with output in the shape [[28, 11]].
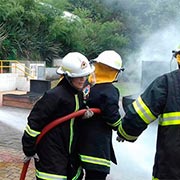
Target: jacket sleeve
[[144, 110], [110, 108], [37, 120]]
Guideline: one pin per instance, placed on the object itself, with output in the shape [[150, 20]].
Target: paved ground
[[11, 155]]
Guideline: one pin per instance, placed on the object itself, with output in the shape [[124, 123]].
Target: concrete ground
[[11, 156], [12, 123]]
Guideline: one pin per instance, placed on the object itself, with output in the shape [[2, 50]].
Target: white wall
[[8, 81]]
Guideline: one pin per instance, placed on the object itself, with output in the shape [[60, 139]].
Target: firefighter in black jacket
[[56, 147], [161, 100], [95, 142]]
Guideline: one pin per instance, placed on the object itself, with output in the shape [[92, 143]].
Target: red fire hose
[[52, 125]]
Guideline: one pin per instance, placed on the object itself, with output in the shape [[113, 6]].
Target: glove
[[27, 158], [88, 113], [120, 139]]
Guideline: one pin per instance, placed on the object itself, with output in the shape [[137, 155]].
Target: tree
[[45, 29]]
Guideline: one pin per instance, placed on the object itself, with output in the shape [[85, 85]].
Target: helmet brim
[[60, 71], [91, 69], [86, 73]]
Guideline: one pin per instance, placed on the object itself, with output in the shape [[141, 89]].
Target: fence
[[14, 66]]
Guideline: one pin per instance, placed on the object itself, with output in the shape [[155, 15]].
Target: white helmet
[[75, 64], [110, 58]]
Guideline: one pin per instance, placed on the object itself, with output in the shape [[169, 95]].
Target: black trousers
[[95, 175]]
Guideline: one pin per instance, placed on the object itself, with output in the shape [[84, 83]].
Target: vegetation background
[[42, 29]]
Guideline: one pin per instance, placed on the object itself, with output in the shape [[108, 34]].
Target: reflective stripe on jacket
[[161, 100], [49, 176], [95, 160]]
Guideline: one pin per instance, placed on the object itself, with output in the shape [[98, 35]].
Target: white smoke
[[158, 47]]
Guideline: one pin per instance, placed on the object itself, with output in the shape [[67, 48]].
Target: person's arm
[[144, 110], [37, 119], [110, 108]]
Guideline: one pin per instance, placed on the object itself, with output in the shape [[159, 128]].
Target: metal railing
[[9, 65]]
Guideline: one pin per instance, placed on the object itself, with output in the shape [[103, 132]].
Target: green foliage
[[97, 36], [27, 26], [143, 17], [98, 10], [3, 35], [39, 29], [57, 4]]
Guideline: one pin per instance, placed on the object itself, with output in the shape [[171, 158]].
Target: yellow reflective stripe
[[115, 124], [72, 123], [143, 111], [172, 118], [95, 160], [71, 134], [153, 178], [125, 135], [31, 132], [48, 176], [78, 174], [77, 102]]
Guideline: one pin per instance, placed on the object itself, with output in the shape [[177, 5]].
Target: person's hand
[[119, 139], [27, 158], [88, 113]]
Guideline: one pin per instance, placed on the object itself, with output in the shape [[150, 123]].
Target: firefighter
[[95, 141], [160, 100], [56, 147]]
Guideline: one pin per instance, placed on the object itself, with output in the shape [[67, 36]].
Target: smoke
[[158, 46]]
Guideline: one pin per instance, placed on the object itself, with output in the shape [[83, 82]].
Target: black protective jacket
[[160, 100], [95, 142], [56, 147]]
